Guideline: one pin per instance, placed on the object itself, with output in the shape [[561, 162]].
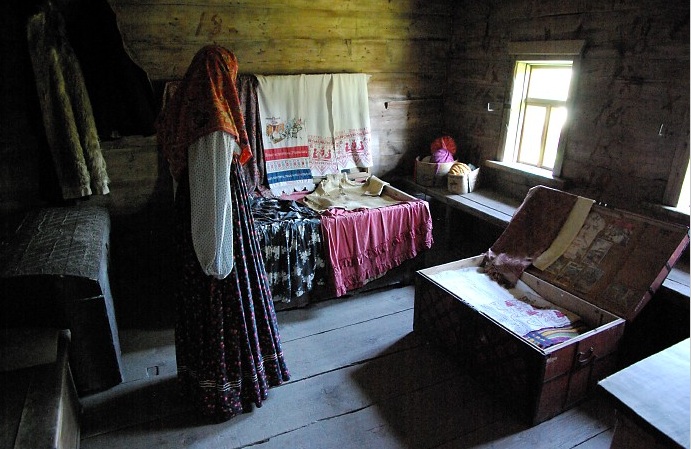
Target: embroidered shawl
[[205, 101]]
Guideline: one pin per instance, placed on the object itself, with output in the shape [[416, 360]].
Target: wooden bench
[[40, 404], [485, 204]]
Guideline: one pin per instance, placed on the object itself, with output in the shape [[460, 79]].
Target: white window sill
[[538, 175]]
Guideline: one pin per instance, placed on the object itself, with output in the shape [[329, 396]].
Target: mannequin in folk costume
[[227, 342]]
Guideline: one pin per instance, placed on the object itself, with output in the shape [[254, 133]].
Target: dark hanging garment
[[66, 109], [121, 93], [254, 168]]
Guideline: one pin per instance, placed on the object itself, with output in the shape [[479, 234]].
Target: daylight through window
[[684, 202], [538, 112]]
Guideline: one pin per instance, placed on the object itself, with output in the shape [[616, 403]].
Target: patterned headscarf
[[205, 101]]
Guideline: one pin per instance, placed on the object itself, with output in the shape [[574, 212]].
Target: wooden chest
[[542, 381], [55, 274]]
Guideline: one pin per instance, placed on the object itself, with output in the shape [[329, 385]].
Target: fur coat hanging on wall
[[67, 114]]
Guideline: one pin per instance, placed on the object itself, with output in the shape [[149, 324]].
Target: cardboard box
[[430, 174], [464, 183]]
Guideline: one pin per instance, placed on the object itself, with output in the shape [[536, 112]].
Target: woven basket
[[430, 174]]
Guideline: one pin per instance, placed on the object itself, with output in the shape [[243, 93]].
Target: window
[[677, 196], [684, 203], [538, 112], [543, 84]]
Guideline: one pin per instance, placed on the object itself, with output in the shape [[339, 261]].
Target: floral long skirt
[[227, 342]]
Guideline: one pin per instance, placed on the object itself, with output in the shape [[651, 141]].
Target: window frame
[[527, 67], [538, 52], [675, 182], [685, 185]]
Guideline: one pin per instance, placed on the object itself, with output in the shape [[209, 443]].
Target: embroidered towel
[[351, 123], [319, 124], [286, 152]]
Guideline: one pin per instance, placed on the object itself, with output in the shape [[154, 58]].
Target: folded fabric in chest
[[519, 309]]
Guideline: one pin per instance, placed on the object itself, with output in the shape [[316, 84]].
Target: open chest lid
[[617, 260]]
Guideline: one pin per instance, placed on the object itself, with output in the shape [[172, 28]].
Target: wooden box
[[539, 381], [652, 415]]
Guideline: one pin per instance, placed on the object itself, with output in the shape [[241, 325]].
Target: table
[[652, 400]]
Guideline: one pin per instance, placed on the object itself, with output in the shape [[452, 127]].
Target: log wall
[[434, 66], [403, 45], [634, 78]]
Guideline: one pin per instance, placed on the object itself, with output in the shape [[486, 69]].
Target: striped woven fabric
[[544, 338]]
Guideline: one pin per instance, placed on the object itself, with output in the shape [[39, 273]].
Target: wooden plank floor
[[360, 379]]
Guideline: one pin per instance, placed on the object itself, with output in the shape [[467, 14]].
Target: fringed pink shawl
[[364, 244]]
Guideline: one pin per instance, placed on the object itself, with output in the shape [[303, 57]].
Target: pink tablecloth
[[364, 244]]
